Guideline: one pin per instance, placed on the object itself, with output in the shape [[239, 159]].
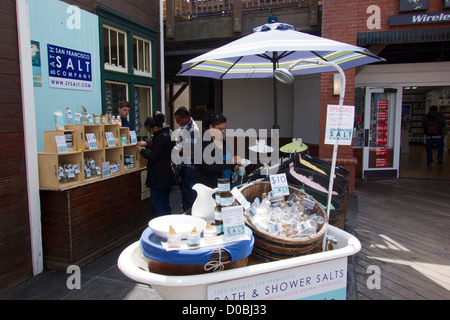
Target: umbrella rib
[[193, 66], [318, 55], [231, 67]]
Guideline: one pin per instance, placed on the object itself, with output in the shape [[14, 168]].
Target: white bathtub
[[315, 276]]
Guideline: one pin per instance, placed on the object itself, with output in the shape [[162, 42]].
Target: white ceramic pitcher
[[204, 204]]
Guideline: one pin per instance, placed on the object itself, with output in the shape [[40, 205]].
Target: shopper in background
[[123, 112], [160, 174], [187, 137], [215, 156], [434, 127]]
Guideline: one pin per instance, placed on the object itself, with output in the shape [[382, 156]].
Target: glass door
[[382, 124]]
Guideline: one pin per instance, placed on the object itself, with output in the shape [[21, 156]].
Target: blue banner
[[69, 69]]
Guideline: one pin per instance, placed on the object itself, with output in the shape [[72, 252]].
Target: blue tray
[[152, 248]]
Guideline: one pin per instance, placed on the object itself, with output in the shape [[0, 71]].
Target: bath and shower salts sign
[[339, 127], [69, 69], [317, 281]]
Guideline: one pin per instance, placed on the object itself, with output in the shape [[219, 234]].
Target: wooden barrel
[[270, 247]]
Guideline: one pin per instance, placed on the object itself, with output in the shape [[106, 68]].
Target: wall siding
[[15, 245]]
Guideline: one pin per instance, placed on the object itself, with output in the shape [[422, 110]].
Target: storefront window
[[115, 45], [143, 107], [142, 56], [130, 58], [115, 92]]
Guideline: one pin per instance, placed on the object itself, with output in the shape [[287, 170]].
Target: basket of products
[[284, 226]]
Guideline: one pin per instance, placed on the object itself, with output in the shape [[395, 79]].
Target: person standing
[[123, 112], [160, 174], [434, 125], [188, 136], [217, 161]]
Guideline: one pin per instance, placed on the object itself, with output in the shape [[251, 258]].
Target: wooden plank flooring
[[414, 164], [403, 226]]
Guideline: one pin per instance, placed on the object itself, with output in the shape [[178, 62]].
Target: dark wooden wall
[[15, 246]]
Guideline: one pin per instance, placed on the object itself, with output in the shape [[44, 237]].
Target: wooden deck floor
[[403, 226]]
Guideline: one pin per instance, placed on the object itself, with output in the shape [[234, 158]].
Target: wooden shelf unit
[[50, 160]]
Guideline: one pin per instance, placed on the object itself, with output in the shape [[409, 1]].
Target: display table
[[82, 222]]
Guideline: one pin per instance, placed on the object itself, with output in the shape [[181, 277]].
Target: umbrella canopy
[[271, 46]]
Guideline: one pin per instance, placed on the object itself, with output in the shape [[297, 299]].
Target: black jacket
[[160, 173], [208, 174]]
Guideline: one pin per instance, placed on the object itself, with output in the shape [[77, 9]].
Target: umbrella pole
[[333, 161], [275, 105]]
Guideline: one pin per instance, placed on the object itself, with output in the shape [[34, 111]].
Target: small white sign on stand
[[133, 138], [339, 128], [233, 222], [92, 142], [61, 144], [279, 184]]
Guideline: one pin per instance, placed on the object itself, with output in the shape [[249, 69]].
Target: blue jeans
[[188, 195], [430, 141], [161, 201]]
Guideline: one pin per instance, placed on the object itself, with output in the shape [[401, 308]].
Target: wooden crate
[[114, 129], [125, 132], [82, 130], [97, 130], [49, 169], [99, 157], [115, 155], [50, 142]]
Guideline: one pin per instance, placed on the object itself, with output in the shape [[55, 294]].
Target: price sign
[[133, 137], [61, 144], [279, 184], [233, 222], [240, 198], [110, 139], [106, 170], [92, 142]]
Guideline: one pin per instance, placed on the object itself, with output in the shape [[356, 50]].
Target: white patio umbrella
[[272, 46]]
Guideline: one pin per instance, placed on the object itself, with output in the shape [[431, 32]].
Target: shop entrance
[[381, 135], [416, 103]]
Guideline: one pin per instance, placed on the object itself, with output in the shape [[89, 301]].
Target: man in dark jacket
[[434, 125]]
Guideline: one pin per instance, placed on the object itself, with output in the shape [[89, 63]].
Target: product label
[[227, 201], [224, 187]]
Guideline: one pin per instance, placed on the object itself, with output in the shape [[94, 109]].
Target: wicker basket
[[269, 247]]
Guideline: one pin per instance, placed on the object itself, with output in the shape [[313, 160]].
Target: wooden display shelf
[[50, 159], [49, 172]]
